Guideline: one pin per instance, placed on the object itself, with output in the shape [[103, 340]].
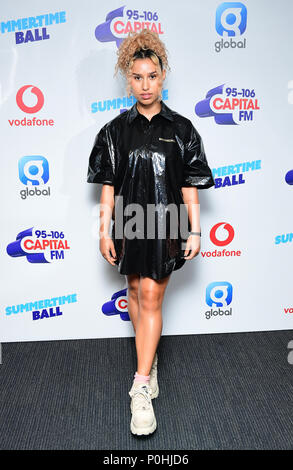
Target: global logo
[[33, 170], [39, 246], [228, 105], [121, 21], [231, 21], [35, 91], [218, 296]]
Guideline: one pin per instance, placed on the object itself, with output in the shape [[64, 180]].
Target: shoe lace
[[141, 398]]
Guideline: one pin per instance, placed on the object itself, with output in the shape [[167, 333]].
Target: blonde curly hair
[[145, 44]]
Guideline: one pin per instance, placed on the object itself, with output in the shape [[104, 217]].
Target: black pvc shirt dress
[[148, 162]]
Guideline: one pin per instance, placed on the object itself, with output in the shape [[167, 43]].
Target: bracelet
[[195, 233]]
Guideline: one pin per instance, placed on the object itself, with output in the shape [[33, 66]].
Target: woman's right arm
[[106, 209]]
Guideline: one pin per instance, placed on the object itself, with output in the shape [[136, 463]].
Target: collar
[[165, 112]]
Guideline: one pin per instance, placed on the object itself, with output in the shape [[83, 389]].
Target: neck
[[149, 110]]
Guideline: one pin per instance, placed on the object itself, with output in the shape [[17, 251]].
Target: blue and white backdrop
[[232, 75]]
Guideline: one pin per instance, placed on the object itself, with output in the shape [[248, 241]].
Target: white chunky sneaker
[[143, 420], [154, 377]]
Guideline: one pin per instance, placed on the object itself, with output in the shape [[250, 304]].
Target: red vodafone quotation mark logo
[[228, 239], [28, 109]]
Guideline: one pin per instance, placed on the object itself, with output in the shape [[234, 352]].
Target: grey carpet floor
[[217, 391]]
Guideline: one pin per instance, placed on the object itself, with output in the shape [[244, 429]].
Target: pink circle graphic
[[230, 232], [27, 109]]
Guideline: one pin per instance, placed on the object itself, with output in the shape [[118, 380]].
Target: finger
[[191, 255], [187, 250], [110, 258], [113, 253], [194, 249], [107, 257], [110, 261]]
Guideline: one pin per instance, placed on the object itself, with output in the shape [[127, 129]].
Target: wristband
[[195, 233]]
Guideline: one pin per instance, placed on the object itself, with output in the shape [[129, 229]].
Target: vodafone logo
[[222, 234], [30, 109], [30, 100]]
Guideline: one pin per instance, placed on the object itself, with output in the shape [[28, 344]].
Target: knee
[[133, 291], [149, 300]]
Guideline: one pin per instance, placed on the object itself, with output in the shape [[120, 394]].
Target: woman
[[148, 156]]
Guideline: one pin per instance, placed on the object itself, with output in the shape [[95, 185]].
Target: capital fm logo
[[218, 296], [39, 245], [30, 100], [221, 235], [229, 105], [289, 177], [230, 23], [117, 305], [33, 172], [121, 21]]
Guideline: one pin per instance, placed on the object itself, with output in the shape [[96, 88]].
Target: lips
[[147, 95]]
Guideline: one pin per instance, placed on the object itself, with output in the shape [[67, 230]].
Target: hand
[[193, 244], [107, 249]]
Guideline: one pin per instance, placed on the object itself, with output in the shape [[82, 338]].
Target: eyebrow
[[151, 73]]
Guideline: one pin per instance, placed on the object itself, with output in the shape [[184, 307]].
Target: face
[[146, 81]]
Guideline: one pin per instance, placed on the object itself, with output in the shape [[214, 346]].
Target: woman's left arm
[[191, 200]]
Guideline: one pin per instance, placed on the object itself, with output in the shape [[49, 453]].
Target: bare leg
[[133, 307], [145, 299], [149, 322]]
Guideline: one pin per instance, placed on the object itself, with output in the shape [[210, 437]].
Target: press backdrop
[[231, 74]]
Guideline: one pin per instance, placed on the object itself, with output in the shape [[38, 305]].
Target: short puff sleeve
[[196, 171], [101, 168]]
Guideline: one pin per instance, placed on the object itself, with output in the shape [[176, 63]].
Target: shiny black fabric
[[148, 162]]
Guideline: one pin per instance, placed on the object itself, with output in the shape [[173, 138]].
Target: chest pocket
[[169, 145], [167, 140]]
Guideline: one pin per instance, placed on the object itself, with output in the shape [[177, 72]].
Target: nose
[[145, 84]]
